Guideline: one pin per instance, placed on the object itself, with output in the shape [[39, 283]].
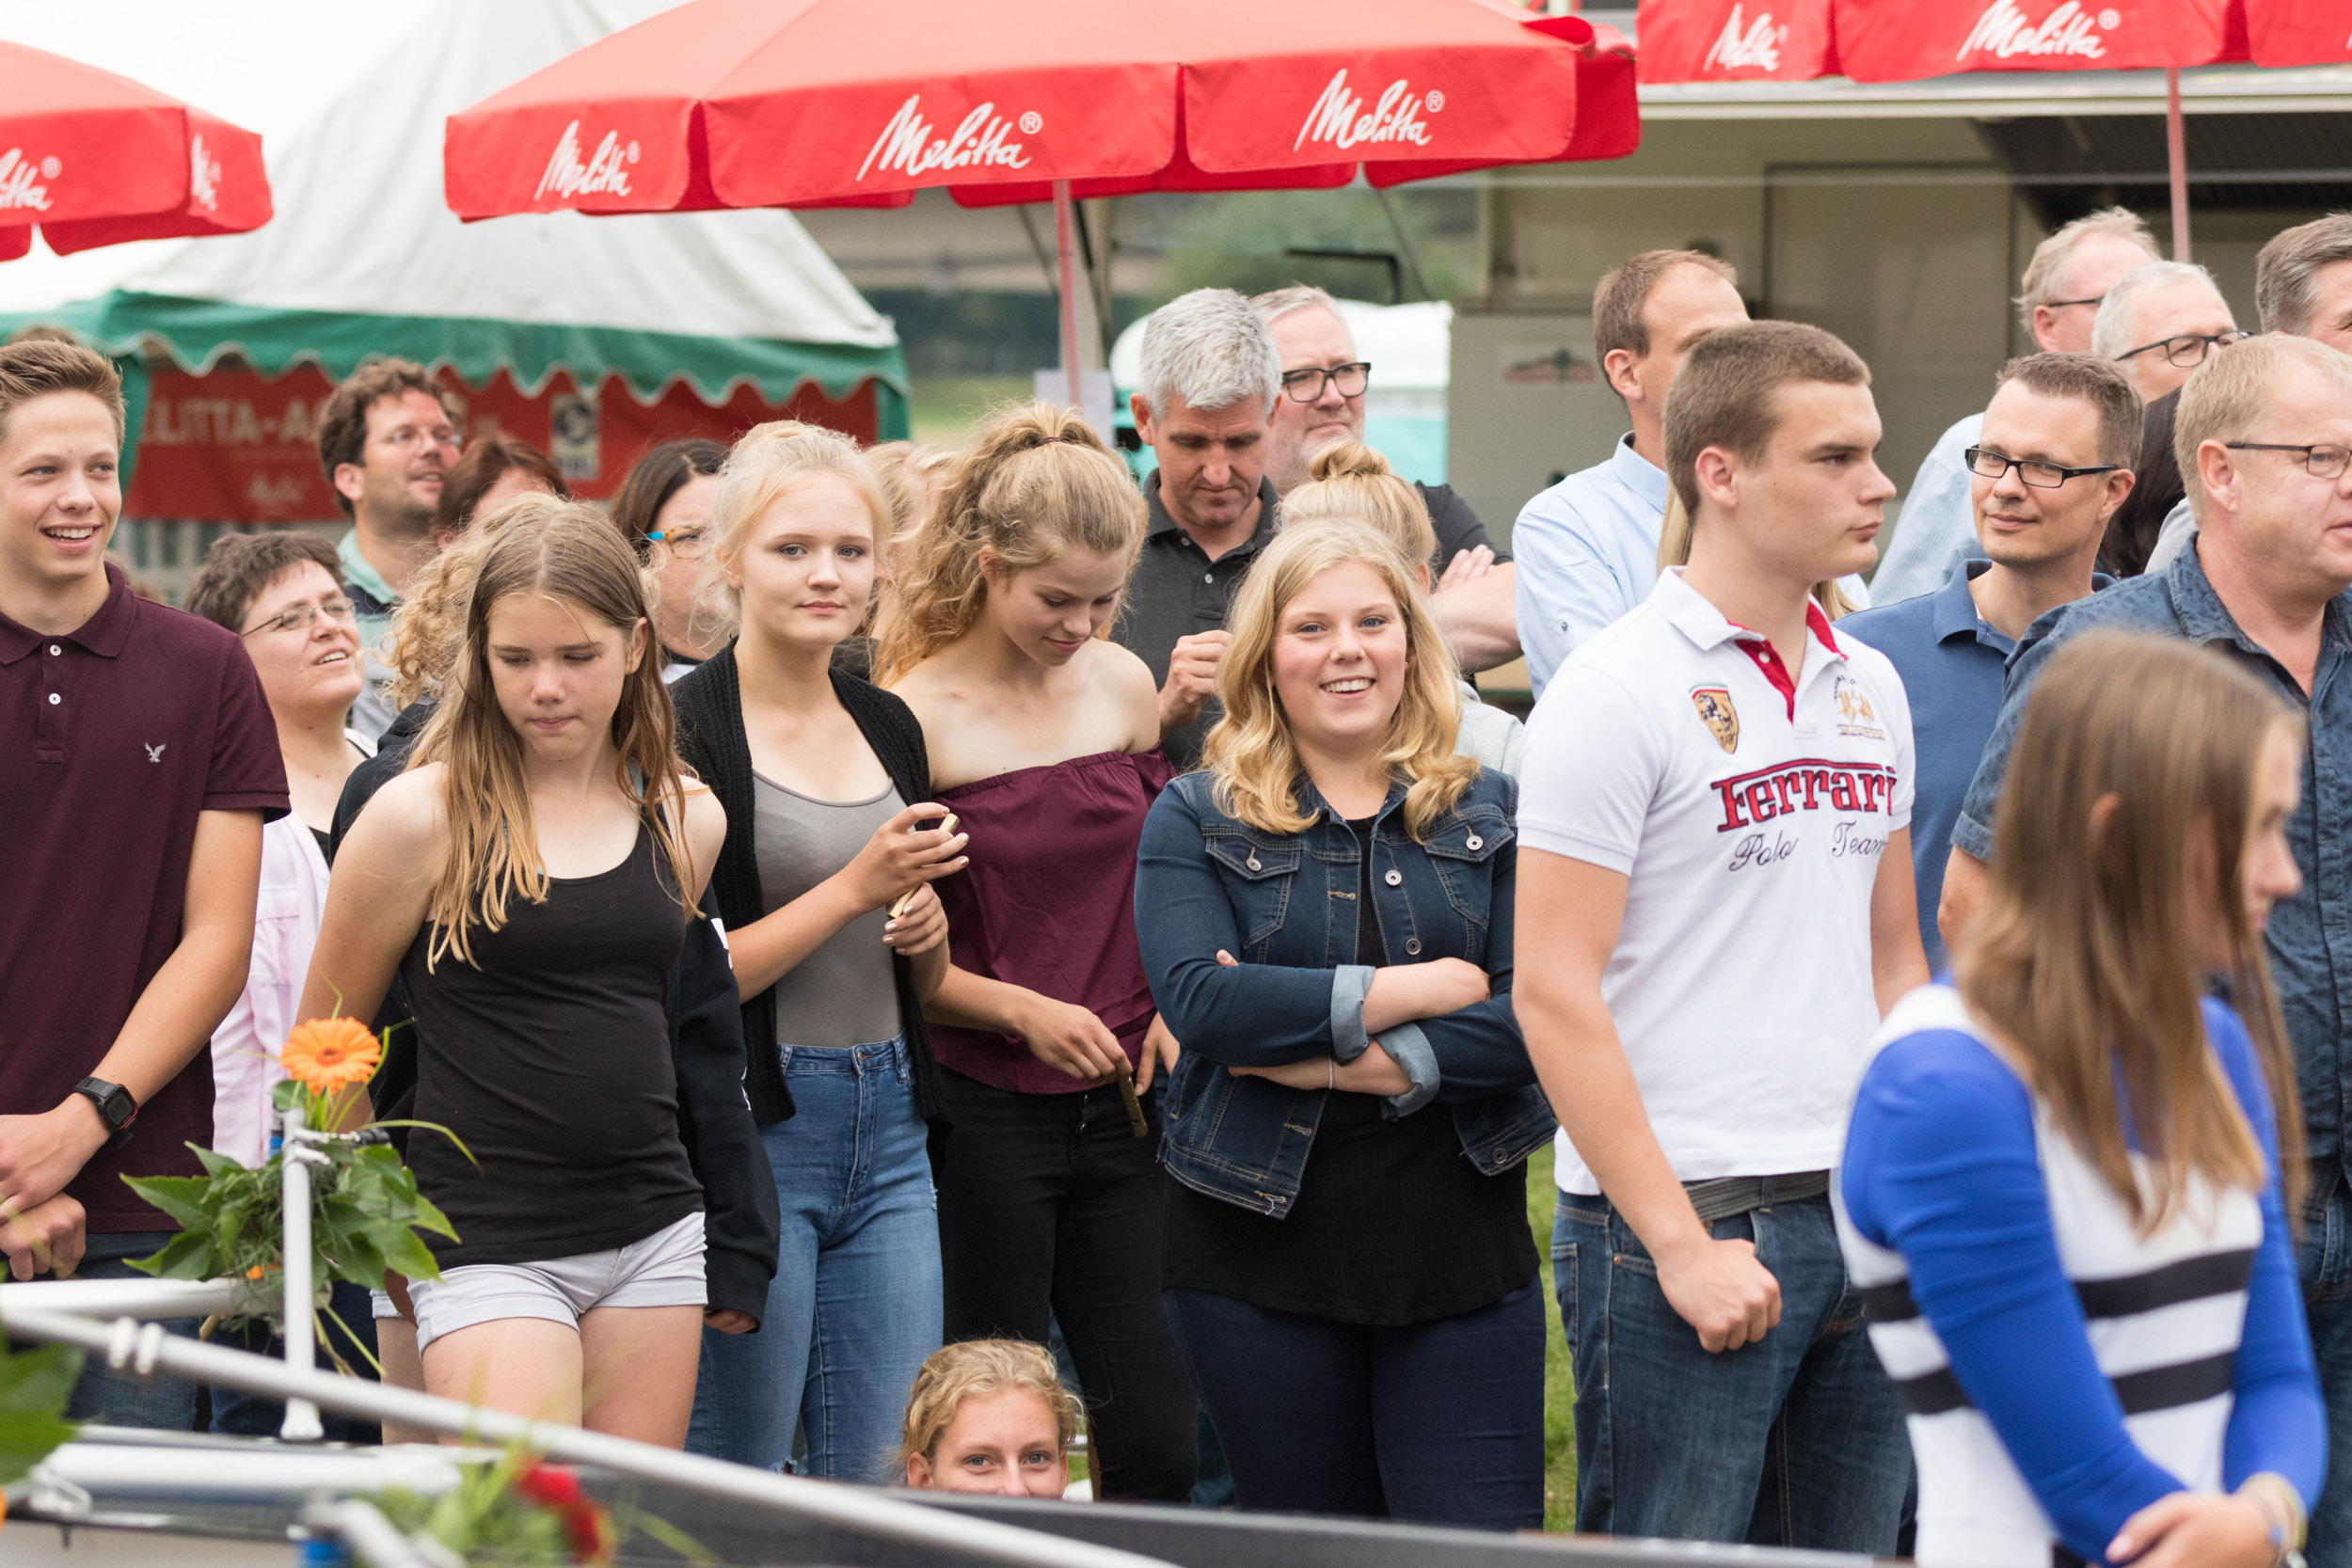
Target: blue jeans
[[2324, 1253], [854, 1307], [1435, 1423], [162, 1403], [1794, 1440]]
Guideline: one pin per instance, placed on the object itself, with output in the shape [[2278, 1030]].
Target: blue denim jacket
[[1285, 905], [2309, 935]]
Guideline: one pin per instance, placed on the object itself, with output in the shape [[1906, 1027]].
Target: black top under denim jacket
[[712, 739], [741, 1220], [1206, 880]]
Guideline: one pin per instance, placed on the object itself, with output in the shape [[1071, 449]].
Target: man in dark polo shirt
[[1473, 585], [1206, 394], [137, 762]]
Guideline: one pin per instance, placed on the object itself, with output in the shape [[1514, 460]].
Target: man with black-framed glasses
[[2051, 464], [1322, 403], [2064, 285], [2264, 587]]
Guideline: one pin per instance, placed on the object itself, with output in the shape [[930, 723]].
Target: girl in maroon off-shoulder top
[[1044, 740]]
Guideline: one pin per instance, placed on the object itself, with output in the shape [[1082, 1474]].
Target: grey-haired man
[[1205, 404]]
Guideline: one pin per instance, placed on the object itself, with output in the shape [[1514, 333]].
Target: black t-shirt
[[1392, 1225]]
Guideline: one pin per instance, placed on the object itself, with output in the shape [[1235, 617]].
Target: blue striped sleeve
[[1940, 1168]]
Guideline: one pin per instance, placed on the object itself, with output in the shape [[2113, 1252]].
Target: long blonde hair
[[768, 462], [979, 1369], [2134, 750], [1250, 752], [1034, 482], [1673, 549], [569, 552], [1350, 480]]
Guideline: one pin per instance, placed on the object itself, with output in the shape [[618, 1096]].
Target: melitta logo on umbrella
[[906, 143], [19, 187], [203, 174], [567, 177], [1756, 47], [2003, 31], [1337, 118]]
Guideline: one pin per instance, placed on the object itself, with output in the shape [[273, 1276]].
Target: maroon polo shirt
[[113, 738]]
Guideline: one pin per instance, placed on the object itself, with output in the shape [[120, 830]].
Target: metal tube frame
[[301, 1424]]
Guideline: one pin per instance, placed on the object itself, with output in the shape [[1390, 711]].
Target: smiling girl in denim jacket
[[1326, 918]]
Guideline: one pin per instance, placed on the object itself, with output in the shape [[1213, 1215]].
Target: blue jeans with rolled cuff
[[854, 1309], [1796, 1439]]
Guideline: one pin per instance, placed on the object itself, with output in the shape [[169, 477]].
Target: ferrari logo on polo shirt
[[1714, 705]]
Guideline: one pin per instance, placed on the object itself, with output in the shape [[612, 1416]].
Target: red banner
[[1707, 41], [235, 447]]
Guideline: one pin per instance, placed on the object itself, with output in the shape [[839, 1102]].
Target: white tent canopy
[[351, 111]]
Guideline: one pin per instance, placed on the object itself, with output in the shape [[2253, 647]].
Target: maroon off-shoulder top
[[1048, 903]]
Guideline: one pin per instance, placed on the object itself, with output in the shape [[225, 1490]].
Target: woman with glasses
[[663, 506], [283, 593]]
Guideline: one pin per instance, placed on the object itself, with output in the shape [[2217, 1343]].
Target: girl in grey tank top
[[843, 993]]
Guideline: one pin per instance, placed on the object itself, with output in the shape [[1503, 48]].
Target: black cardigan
[[739, 1210], [710, 737]]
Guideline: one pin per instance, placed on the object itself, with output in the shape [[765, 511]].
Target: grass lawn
[[1559, 1381]]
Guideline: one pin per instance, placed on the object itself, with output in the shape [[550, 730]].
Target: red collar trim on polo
[[1759, 651]]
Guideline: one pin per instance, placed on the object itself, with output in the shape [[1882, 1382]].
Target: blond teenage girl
[[1044, 740], [531, 878]]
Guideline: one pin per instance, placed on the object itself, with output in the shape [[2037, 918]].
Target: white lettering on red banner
[[2003, 31], [567, 177], [1339, 118], [203, 174], [906, 143], [1754, 47], [18, 186], [1809, 783]]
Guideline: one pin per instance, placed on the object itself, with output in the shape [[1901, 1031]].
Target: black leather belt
[[1726, 1196]]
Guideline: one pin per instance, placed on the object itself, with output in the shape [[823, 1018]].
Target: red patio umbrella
[[1901, 40], [841, 103], [96, 159]]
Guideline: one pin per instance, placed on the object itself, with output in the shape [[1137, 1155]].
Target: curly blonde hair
[[979, 1368], [1250, 752], [1035, 481]]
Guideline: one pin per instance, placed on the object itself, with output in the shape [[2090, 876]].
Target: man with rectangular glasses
[[2052, 461], [2261, 436], [2064, 285], [1322, 404]]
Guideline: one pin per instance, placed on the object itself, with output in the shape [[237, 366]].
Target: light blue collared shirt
[[1587, 553], [1936, 530]]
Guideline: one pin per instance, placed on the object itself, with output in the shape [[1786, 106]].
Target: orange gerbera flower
[[329, 1053]]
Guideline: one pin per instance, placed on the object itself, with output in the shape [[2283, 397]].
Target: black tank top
[[549, 1056]]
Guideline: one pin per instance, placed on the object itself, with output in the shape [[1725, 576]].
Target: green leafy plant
[[35, 1386], [367, 1216]]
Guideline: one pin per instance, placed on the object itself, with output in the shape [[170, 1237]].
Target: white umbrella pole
[[1066, 255], [2176, 155]]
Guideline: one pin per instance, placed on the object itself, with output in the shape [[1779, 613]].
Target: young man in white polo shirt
[[1714, 909]]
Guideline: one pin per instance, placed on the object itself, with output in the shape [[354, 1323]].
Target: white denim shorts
[[665, 1269]]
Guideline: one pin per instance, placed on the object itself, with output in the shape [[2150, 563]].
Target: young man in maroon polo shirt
[[137, 762]]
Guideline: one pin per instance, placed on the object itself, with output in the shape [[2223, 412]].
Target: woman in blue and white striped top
[[2061, 1193]]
